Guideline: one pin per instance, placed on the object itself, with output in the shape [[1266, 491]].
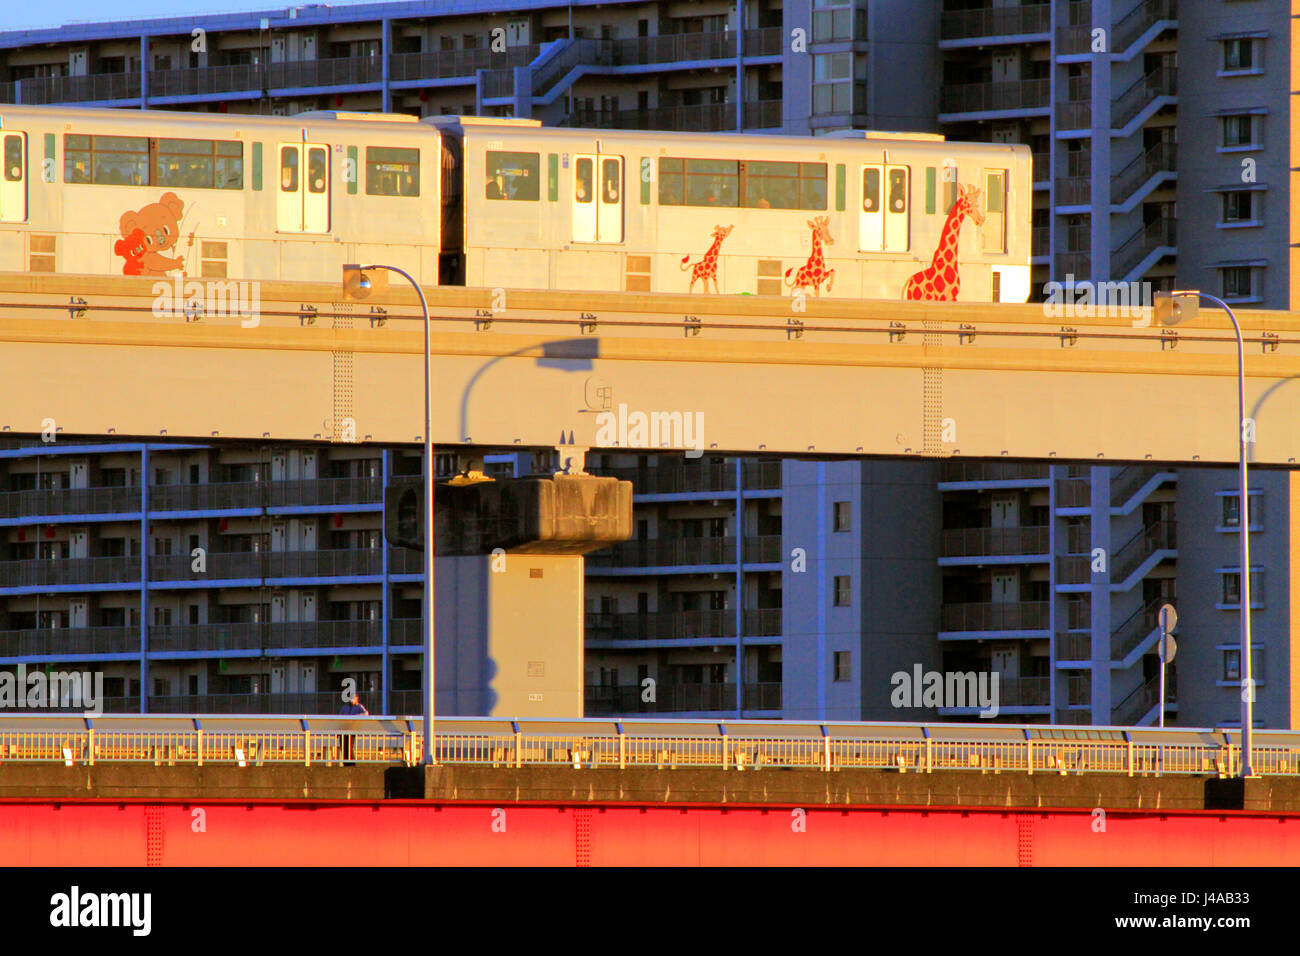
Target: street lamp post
[[363, 284], [1170, 312]]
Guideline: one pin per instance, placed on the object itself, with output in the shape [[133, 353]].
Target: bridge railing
[[77, 740]]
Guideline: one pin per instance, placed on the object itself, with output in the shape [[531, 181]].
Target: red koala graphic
[[132, 250], [159, 224]]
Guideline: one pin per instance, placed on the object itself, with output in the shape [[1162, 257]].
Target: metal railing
[[262, 494], [673, 478], [1073, 191], [983, 97], [1160, 158], [970, 542], [667, 698], [1073, 647], [630, 742], [46, 641], [995, 616], [661, 625], [1162, 233], [955, 470], [268, 564], [39, 572], [1140, 702], [1129, 481], [58, 501], [665, 552], [1141, 18], [278, 635], [79, 89], [1159, 535], [707, 117], [1135, 629], [1074, 114], [995, 21], [1041, 241], [1162, 81]]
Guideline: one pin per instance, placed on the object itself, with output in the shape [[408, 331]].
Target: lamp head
[[1180, 305], [363, 282]]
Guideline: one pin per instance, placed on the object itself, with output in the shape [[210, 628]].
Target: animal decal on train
[[148, 234], [814, 272], [707, 268], [940, 281]]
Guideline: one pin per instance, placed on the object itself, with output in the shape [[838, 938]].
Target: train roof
[[841, 142]]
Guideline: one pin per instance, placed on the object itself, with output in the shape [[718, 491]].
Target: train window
[[13, 159], [317, 169], [871, 189], [289, 169], [611, 180], [516, 176], [582, 183], [897, 189], [784, 185], [994, 233], [391, 171], [140, 161], [712, 182], [199, 164]]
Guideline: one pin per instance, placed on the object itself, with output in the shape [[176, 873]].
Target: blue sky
[[17, 15]]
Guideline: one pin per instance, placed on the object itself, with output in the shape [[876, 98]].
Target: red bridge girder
[[431, 833]]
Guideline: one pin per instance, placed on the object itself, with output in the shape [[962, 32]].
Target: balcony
[[326, 703], [991, 542], [1008, 21], [69, 501], [78, 89], [265, 636], [39, 572], [763, 549], [1073, 191], [666, 552], [1078, 690], [996, 616], [1074, 35], [269, 564], [1042, 167], [1074, 493], [448, 64], [763, 114], [710, 117], [319, 492], [1073, 647], [762, 475], [956, 471], [602, 700], [675, 478], [661, 625], [70, 641], [1024, 692], [996, 97]]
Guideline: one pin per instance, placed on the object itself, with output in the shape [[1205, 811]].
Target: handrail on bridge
[[254, 741]]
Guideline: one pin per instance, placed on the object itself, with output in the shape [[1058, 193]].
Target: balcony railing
[[1024, 691], [764, 41], [662, 625], [1078, 612], [1074, 114], [1078, 690], [677, 698], [1042, 241], [1042, 166], [709, 117], [664, 552], [264, 635], [1078, 539], [45, 641], [79, 89], [1077, 264], [320, 703], [986, 97], [973, 542], [39, 572], [995, 22], [1074, 569], [762, 549], [994, 616], [60, 501], [1073, 493], [269, 564], [672, 478], [1073, 190], [762, 475], [446, 64], [264, 494], [1073, 647], [954, 470]]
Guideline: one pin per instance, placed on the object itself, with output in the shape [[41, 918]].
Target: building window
[[1231, 589], [1239, 130], [1238, 206], [1237, 282], [1232, 665], [843, 515], [843, 590], [1239, 54], [843, 665], [839, 20], [1231, 511], [839, 83]]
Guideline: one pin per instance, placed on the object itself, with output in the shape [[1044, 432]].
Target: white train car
[[508, 203], [854, 217]]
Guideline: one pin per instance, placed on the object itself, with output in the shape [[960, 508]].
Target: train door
[[13, 180], [303, 190], [871, 220], [897, 195], [597, 198]]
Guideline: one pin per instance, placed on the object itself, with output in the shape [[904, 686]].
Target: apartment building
[[255, 578], [1134, 108]]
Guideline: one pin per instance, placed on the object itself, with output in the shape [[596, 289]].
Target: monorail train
[[491, 202]]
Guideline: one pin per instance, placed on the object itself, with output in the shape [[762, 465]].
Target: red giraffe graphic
[[814, 272], [940, 281], [707, 268]]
